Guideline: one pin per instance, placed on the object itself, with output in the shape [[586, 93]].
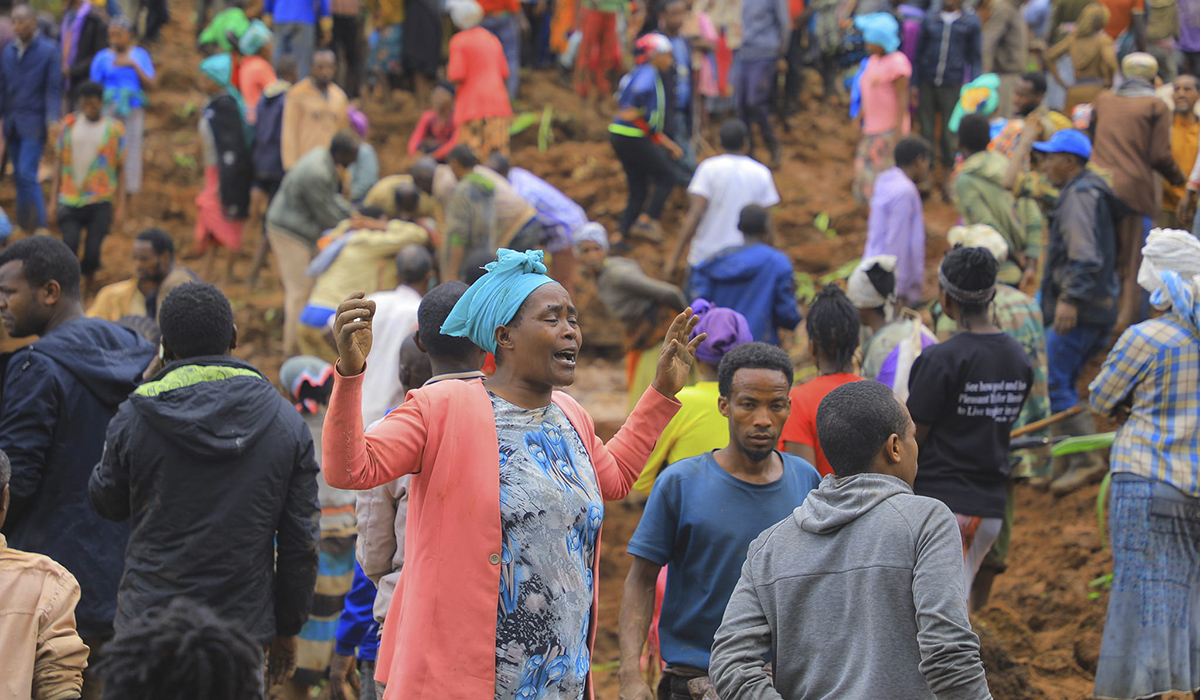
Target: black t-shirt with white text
[[969, 390]]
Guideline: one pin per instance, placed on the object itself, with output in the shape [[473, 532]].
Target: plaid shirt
[[1156, 366]]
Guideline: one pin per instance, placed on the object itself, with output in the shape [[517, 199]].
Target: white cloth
[[395, 319], [1168, 249], [730, 183], [86, 138], [859, 288]]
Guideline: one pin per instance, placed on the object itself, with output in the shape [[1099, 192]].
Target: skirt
[[1151, 639], [873, 155], [135, 132], [486, 136], [212, 228]]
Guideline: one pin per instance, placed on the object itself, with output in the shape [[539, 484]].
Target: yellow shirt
[[1185, 138], [367, 263], [120, 299], [697, 428]]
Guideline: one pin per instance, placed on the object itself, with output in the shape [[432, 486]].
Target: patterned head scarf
[[979, 236], [726, 330], [494, 299], [256, 36], [980, 96], [592, 232], [1139, 65], [881, 29], [308, 382]]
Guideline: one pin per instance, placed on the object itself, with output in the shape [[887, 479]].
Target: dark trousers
[[25, 155], [755, 86], [157, 16], [96, 219], [793, 82], [347, 42], [672, 687], [646, 166], [934, 107]]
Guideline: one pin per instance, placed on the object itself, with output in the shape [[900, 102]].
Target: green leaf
[[523, 121], [185, 111], [831, 233], [545, 133], [821, 222], [806, 291], [1094, 595], [1104, 581], [839, 274], [271, 314], [184, 160], [1083, 443]]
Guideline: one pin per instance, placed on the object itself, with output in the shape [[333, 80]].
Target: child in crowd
[[125, 71], [436, 132], [832, 327], [964, 395]]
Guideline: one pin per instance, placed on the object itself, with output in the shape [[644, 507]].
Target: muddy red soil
[[1041, 634]]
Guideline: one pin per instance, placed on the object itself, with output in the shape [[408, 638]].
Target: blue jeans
[[1066, 356], [31, 207], [504, 26], [295, 39]]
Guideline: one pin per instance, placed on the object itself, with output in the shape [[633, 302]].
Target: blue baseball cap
[[1071, 141]]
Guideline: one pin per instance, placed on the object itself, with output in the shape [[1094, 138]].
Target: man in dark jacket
[[754, 279], [950, 44], [1080, 287], [267, 156], [57, 399], [30, 102], [218, 475], [84, 33]]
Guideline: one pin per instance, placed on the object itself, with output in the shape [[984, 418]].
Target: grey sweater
[[858, 594]]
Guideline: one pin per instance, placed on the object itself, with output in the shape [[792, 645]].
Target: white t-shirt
[[395, 319], [730, 183]]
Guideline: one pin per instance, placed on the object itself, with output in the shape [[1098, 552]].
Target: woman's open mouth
[[567, 357]]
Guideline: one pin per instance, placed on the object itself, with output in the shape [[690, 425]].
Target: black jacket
[[219, 476], [1081, 255], [93, 38], [58, 396], [235, 170]]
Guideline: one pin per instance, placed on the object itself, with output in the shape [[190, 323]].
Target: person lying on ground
[[863, 560]]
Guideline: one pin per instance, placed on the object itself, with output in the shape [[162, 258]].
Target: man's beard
[[756, 455]]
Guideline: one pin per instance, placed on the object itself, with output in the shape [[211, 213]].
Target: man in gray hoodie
[[859, 593]]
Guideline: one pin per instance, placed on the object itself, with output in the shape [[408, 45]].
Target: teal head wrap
[[980, 96], [256, 36], [218, 67], [494, 298], [879, 28]]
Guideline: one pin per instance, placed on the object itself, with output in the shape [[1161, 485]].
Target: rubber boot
[[1084, 467]]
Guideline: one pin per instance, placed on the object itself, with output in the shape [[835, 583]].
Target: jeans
[[96, 218], [26, 154], [347, 38], [504, 26], [753, 90], [934, 102], [1066, 356], [295, 39], [645, 165]]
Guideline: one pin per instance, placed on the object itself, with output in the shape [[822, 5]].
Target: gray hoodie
[[858, 594]]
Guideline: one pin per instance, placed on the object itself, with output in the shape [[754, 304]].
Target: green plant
[[822, 224], [807, 287], [186, 111], [521, 122], [184, 160], [840, 273], [545, 132]]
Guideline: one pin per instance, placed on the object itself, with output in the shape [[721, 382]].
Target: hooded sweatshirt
[[859, 593], [755, 280], [218, 475], [58, 397], [982, 198]]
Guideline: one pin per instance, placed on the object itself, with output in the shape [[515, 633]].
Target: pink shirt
[[256, 75], [879, 93], [439, 635], [478, 65]]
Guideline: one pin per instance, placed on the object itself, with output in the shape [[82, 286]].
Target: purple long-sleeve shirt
[[896, 226]]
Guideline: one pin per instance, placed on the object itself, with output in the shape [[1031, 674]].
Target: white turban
[[1170, 251], [465, 14], [859, 288], [979, 236]]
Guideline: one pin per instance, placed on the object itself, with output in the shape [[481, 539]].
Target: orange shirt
[[478, 65], [801, 426], [255, 76], [1120, 14]]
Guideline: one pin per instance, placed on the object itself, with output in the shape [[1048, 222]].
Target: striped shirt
[[1156, 365]]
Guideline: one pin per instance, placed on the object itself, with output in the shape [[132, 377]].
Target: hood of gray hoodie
[[839, 502]]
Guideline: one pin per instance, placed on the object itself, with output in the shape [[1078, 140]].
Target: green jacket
[[982, 198], [308, 203]]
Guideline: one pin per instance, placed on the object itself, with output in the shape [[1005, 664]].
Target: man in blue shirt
[[31, 84], [702, 516]]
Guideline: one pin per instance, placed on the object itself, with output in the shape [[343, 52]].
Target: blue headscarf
[[494, 298], [881, 29], [1178, 294]]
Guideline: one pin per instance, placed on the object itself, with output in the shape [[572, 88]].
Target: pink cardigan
[[439, 636]]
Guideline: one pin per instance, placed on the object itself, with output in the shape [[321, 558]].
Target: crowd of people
[[829, 483]]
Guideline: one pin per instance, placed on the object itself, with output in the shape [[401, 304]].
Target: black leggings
[[646, 165], [96, 218], [346, 44]]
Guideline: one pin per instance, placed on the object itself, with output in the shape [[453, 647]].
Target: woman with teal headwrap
[[223, 205], [505, 472], [882, 87]]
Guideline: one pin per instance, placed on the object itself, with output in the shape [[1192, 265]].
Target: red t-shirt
[[801, 426]]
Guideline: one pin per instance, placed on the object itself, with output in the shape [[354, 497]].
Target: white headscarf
[[1170, 271], [860, 290], [979, 236], [465, 14]]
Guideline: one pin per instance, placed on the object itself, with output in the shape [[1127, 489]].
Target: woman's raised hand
[[352, 330], [678, 355]]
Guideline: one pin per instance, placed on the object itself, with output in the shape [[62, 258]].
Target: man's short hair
[[464, 155], [89, 89], [974, 133], [432, 313], [413, 264], [733, 134], [181, 650], [854, 421], [500, 163], [1037, 81], [910, 149], [344, 143], [44, 258], [752, 356], [196, 320], [1195, 80], [160, 241], [5, 470], [473, 265], [406, 197], [752, 220]]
